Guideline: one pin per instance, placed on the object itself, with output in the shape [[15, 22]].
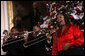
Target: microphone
[[57, 23]]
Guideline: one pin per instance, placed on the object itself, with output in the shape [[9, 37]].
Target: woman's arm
[[78, 36]]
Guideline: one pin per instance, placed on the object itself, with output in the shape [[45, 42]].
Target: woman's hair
[[65, 18], [73, 20]]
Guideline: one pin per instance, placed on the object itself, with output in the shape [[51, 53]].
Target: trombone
[[18, 38], [35, 41], [21, 38]]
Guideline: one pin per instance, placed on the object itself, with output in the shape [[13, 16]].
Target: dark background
[[26, 10]]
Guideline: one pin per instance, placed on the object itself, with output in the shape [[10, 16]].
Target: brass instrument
[[17, 39], [35, 41], [21, 38], [13, 41]]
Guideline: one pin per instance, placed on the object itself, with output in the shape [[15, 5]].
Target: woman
[[68, 37]]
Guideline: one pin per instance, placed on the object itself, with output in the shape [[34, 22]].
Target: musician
[[36, 13], [15, 48], [17, 20], [68, 38], [38, 48]]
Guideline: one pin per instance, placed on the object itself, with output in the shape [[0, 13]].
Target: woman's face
[[60, 18]]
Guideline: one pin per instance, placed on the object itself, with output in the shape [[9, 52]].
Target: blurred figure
[[15, 48], [17, 21]]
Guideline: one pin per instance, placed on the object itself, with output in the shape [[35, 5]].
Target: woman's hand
[[66, 46]]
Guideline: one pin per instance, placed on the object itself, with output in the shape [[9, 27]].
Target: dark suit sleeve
[[5, 48]]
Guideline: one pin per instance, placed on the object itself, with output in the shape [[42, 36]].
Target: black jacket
[[36, 49], [14, 49]]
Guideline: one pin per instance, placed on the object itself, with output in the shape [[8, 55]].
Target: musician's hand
[[26, 36], [34, 35], [66, 46], [48, 36], [5, 39]]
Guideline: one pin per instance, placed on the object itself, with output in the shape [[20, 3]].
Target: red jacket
[[71, 34]]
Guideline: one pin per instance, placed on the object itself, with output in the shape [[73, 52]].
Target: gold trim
[[10, 14]]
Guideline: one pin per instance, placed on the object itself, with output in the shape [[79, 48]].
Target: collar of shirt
[[39, 34]]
